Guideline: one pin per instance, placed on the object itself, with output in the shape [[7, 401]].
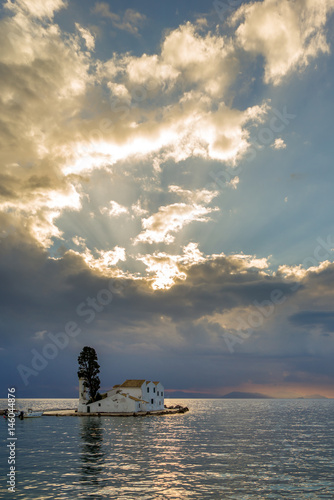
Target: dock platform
[[74, 413]]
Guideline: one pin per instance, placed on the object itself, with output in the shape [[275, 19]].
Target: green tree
[[89, 370]]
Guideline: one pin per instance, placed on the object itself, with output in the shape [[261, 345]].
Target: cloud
[[150, 70], [324, 319], [75, 130], [300, 272], [166, 268], [36, 8], [50, 83], [106, 261], [279, 144], [287, 34], [131, 20], [79, 241], [182, 309], [138, 210], [170, 219], [44, 78], [114, 209], [206, 61], [233, 183], [168, 106], [87, 36], [197, 196], [195, 61]]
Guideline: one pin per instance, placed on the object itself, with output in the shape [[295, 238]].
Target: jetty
[[171, 410], [75, 413]]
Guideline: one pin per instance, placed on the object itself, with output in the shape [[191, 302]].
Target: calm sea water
[[221, 449]]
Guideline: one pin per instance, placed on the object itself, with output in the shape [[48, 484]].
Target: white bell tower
[[82, 392]]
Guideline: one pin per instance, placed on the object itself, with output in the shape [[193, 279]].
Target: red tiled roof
[[132, 383]]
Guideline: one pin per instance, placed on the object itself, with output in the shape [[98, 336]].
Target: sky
[[166, 195]]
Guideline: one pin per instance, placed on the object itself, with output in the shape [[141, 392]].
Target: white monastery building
[[132, 396]]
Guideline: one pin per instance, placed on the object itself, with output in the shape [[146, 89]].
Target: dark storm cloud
[[159, 331], [313, 318]]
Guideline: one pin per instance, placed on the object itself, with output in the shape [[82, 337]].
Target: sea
[[221, 449]]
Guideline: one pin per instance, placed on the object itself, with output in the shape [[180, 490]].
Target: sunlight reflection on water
[[228, 449]]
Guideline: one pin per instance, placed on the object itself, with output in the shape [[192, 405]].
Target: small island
[[134, 397]]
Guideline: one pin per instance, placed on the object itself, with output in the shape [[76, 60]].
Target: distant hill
[[245, 395], [314, 396]]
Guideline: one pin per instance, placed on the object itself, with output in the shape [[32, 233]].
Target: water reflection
[[91, 454], [221, 449]]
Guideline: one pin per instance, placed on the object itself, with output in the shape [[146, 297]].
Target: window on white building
[[158, 393], [152, 401], [153, 389], [148, 389]]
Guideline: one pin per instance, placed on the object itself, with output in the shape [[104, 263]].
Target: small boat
[[32, 414]]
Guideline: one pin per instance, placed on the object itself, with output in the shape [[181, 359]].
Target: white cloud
[[79, 241], [299, 272], [36, 8], [87, 36], [49, 82], [233, 183], [197, 196], [138, 210], [150, 69], [193, 124], [287, 33], [164, 267], [111, 257], [192, 255], [106, 261], [227, 133], [250, 261], [114, 209], [279, 144], [170, 219], [167, 268], [44, 79], [203, 60]]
